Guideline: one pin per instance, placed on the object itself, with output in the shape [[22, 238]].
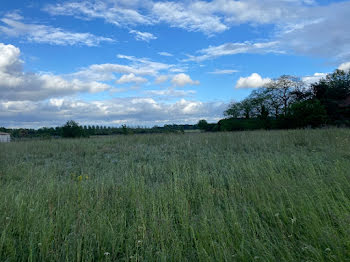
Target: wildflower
[[293, 220], [256, 257], [277, 214], [80, 178], [39, 244], [86, 177], [7, 218], [327, 249], [106, 253]]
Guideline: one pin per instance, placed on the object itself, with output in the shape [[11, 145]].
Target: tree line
[[72, 129], [288, 102]]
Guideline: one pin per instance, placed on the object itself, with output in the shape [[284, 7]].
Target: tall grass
[[245, 196]]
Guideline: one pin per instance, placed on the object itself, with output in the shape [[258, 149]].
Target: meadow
[[242, 196]]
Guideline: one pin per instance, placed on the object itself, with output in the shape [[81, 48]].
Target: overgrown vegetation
[[243, 196]]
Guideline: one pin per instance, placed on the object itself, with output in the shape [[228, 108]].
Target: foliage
[[332, 91], [287, 102], [310, 112], [72, 129], [243, 196], [202, 124]]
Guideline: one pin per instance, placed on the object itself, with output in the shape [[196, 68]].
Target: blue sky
[[114, 62]]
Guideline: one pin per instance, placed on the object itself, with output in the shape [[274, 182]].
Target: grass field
[[244, 196]]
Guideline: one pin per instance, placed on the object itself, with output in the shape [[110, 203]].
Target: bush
[[308, 113]]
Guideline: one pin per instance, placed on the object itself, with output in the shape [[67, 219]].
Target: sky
[[146, 63]]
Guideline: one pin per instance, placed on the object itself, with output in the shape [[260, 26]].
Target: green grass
[[245, 196]]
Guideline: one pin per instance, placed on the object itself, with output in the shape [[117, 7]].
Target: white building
[[5, 137]]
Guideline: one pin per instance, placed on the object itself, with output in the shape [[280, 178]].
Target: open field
[[245, 196]]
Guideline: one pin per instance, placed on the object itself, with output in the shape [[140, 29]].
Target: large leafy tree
[[332, 91], [72, 129], [283, 91]]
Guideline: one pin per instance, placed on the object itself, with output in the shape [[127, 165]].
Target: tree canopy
[[295, 104]]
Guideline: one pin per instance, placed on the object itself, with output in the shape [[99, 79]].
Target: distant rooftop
[[2, 133]]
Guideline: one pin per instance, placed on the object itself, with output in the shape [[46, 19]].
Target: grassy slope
[[262, 196]]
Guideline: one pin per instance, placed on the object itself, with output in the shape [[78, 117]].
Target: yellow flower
[[80, 178]]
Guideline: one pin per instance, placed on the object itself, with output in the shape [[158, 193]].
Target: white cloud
[[161, 79], [47, 34], [165, 54], [224, 71], [131, 78], [143, 36], [183, 79], [187, 17], [136, 66], [18, 85], [171, 92], [208, 17], [313, 78], [344, 66], [119, 13], [233, 49], [252, 81], [300, 24], [131, 111], [321, 30]]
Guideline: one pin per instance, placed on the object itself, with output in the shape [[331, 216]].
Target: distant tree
[[72, 129], [202, 124], [125, 130]]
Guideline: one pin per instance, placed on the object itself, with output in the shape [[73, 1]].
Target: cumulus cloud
[[47, 34], [161, 79], [136, 66], [313, 78], [34, 100], [344, 66], [131, 78], [143, 36], [15, 84], [183, 79], [252, 81], [233, 49], [117, 111]]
